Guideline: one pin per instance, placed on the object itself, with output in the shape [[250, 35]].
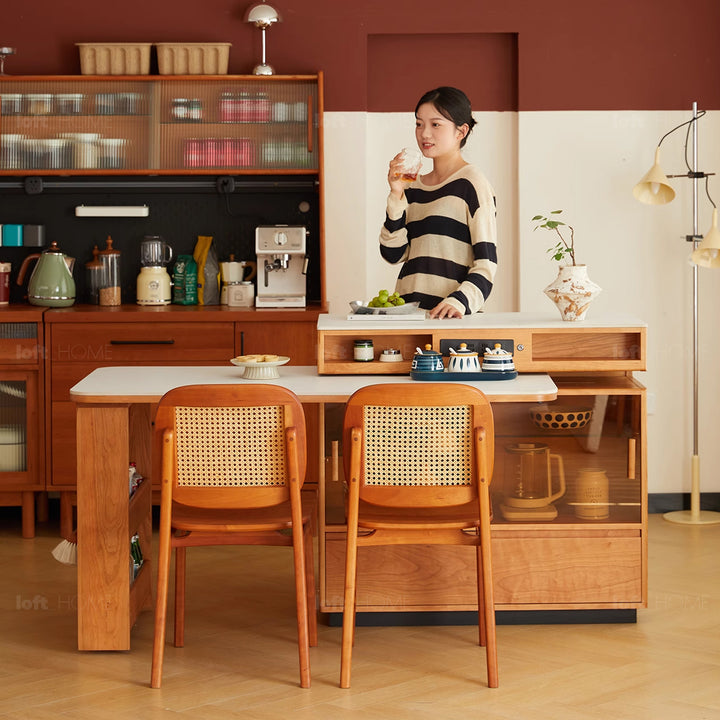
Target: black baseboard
[[502, 617], [670, 502]]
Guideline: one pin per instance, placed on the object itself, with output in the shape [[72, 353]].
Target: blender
[[153, 283]]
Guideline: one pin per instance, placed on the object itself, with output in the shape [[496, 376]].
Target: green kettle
[[51, 283]]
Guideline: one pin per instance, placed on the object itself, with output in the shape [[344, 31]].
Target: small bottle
[[179, 109], [110, 282], [93, 271], [195, 110], [363, 351]]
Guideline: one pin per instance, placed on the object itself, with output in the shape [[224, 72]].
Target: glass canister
[[363, 350], [109, 293], [93, 275]]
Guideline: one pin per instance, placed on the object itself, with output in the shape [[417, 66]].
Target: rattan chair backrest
[[418, 447], [230, 443]]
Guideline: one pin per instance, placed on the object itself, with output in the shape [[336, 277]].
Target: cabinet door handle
[[309, 124], [142, 342]]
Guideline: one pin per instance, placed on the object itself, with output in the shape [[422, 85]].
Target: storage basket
[[193, 58], [114, 58]]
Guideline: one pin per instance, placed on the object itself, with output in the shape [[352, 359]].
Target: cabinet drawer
[[114, 343]]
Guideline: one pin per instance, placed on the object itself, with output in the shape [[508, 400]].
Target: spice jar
[[110, 279], [363, 351], [93, 275]]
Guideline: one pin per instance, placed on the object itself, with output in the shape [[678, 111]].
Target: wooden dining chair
[[418, 461], [233, 466]]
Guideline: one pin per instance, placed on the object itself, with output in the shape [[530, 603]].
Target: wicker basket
[[193, 58], [114, 58]]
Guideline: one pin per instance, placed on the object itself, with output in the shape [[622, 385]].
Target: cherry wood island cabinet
[[587, 552]]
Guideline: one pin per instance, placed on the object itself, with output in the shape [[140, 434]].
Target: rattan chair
[[418, 461], [233, 466]]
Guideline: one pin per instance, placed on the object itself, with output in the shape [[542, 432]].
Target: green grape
[[399, 301]]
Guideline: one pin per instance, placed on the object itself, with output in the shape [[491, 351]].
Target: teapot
[[51, 283]]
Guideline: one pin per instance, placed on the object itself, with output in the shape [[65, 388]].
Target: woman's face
[[435, 134]]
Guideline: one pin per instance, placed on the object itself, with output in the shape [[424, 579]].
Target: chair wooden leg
[[482, 634], [180, 571], [348, 628], [301, 606], [310, 585], [489, 606], [164, 551]]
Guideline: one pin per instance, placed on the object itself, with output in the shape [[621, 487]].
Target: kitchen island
[[112, 428], [577, 552], [580, 554]]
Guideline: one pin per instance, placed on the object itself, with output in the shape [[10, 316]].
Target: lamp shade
[[262, 15], [708, 252], [654, 188]]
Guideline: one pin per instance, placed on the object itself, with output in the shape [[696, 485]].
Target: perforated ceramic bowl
[[549, 418]]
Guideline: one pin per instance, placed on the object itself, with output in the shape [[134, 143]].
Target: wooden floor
[[240, 659]]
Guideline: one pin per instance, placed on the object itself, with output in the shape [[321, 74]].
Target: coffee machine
[[153, 282], [281, 265]]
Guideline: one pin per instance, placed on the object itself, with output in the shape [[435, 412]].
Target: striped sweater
[[445, 236]]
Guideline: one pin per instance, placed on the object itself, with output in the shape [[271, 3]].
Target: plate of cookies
[[260, 366]]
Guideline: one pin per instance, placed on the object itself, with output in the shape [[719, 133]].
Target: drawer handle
[[142, 342]]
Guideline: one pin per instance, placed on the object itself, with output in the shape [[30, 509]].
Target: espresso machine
[[281, 265], [153, 282]]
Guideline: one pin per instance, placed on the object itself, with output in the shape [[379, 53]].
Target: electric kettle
[[51, 283]]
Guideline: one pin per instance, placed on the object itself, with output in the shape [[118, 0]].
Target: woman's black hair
[[452, 104]]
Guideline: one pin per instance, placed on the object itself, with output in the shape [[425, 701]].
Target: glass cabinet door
[[74, 124], [574, 460], [245, 124]]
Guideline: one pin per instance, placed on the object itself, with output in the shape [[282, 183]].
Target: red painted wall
[[547, 54]]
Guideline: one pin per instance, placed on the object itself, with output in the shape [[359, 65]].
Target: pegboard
[[181, 209]]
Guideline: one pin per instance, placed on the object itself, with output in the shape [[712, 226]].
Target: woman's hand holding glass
[[404, 169]]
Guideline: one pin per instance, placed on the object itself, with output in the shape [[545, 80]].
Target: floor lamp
[[654, 189]]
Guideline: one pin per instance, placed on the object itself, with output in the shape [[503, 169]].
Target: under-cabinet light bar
[[112, 211]]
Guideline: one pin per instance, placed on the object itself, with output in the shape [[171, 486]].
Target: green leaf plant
[[562, 250]]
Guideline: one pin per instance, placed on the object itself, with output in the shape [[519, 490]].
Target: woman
[[442, 225]]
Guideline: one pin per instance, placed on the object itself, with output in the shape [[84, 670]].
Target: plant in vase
[[572, 291]]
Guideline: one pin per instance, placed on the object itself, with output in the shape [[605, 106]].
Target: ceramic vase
[[572, 291]]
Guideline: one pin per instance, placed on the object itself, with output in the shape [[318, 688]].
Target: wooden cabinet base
[[564, 571]]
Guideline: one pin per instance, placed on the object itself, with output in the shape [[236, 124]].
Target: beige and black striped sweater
[[446, 238]]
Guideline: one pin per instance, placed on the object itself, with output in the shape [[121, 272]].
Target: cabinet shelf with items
[[88, 125], [21, 410]]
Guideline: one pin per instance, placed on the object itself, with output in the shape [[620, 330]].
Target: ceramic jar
[[427, 360], [463, 360]]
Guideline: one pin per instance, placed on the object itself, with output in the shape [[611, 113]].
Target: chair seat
[[456, 517], [276, 517]]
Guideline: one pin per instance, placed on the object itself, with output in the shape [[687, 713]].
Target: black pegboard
[[181, 209]]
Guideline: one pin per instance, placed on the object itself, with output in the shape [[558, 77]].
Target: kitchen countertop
[[478, 320], [147, 384]]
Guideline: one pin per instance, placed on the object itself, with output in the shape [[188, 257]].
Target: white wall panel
[[585, 163]]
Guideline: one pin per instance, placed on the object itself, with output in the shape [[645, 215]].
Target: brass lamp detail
[[262, 16]]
